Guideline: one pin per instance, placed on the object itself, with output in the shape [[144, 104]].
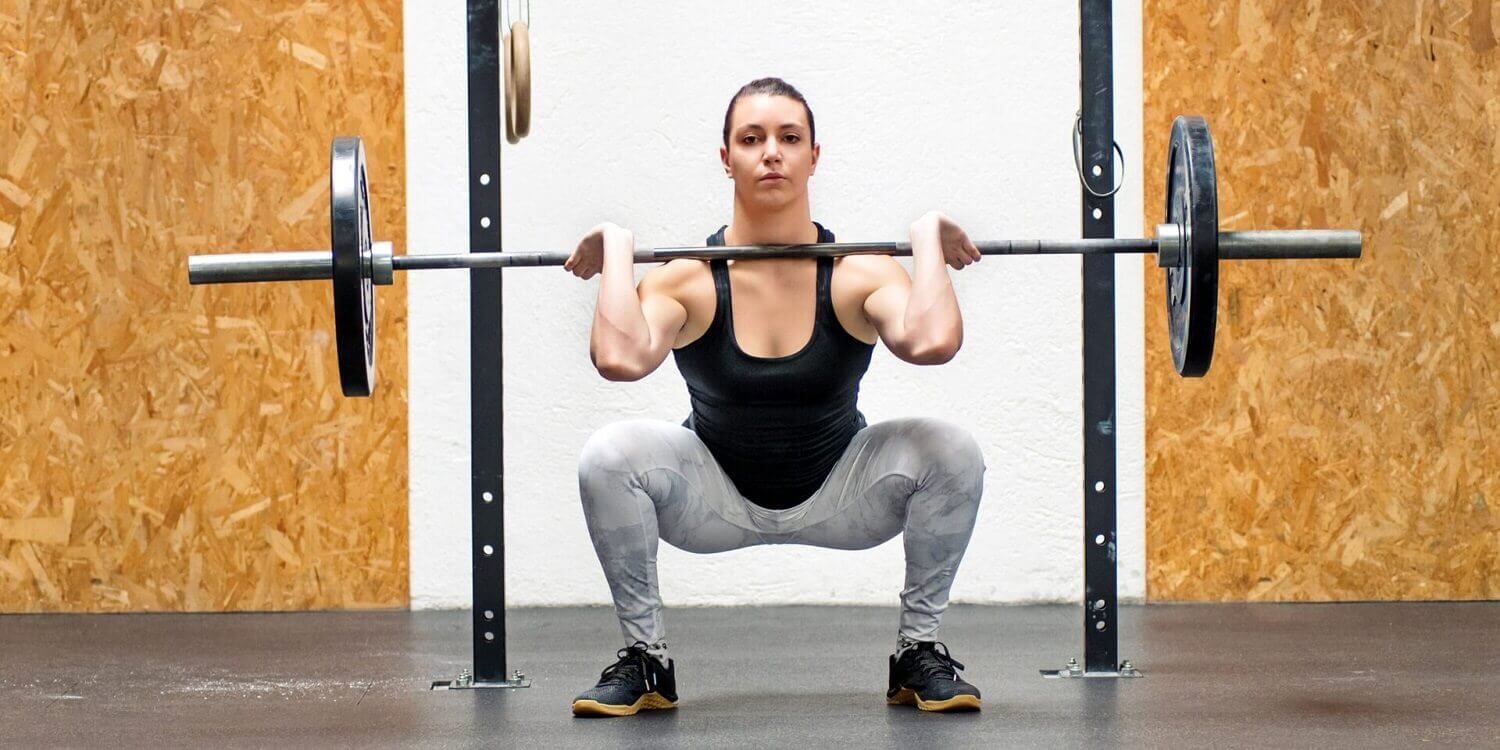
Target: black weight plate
[[1193, 284], [353, 270]]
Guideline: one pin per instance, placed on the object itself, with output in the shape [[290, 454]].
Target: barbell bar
[[313, 265], [1188, 246]]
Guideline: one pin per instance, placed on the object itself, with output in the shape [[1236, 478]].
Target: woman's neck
[[790, 225]]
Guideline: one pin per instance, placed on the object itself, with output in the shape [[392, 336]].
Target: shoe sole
[[649, 701], [907, 697]]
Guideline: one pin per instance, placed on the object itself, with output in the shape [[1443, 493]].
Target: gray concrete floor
[[1264, 675]]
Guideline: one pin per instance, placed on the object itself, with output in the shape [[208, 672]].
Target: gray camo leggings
[[641, 480]]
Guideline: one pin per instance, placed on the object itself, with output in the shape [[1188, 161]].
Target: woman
[[775, 450]]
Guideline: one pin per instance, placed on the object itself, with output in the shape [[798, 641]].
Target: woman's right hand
[[588, 258]]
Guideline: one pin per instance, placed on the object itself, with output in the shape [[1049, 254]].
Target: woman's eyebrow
[[784, 126]]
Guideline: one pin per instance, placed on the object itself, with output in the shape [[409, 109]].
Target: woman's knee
[[615, 446], [943, 447], [616, 456]]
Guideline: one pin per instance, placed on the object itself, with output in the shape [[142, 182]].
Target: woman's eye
[[749, 139]]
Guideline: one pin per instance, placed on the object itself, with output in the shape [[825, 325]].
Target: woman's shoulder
[[869, 270], [678, 277], [677, 270]]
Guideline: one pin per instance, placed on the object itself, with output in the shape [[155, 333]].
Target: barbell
[[1188, 247]]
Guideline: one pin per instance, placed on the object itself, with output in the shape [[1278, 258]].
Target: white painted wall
[[967, 110]]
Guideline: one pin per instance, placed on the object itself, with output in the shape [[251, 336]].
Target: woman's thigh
[[865, 499], [696, 505]]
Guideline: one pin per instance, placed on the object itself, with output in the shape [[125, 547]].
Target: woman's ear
[[817, 150], [724, 157]]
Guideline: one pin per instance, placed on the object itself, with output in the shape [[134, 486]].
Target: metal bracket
[[1073, 669], [1168, 245], [382, 267], [466, 681]]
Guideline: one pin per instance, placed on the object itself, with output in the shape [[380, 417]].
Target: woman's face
[[768, 137]]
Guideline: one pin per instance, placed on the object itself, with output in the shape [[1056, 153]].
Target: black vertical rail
[[1100, 623], [486, 390]]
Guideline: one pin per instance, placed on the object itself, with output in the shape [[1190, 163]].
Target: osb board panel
[[165, 447], [1343, 445]]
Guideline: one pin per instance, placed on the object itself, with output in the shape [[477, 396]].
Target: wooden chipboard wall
[[1344, 445], [167, 447]]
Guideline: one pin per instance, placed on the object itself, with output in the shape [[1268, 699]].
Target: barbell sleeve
[[1270, 244], [249, 267]]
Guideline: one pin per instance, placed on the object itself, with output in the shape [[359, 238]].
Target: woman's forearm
[[620, 334], [933, 323]]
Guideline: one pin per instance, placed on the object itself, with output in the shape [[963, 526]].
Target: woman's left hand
[[936, 230]]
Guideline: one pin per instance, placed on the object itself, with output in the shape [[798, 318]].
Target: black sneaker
[[634, 682], [929, 678]]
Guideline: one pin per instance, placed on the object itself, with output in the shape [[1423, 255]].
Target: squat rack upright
[[487, 493]]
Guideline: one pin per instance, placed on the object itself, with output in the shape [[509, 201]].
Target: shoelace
[[929, 663], [630, 669]]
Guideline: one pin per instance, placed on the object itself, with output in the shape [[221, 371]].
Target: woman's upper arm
[[885, 306], [664, 312]]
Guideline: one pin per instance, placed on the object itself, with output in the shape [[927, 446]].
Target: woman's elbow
[[619, 369], [934, 353]]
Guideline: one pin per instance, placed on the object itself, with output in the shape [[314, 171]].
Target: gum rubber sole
[[646, 702], [907, 697]]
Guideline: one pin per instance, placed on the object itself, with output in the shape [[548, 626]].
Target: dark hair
[[774, 87]]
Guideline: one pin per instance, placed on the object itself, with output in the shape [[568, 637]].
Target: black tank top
[[777, 425]]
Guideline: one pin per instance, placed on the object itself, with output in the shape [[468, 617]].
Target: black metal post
[[1100, 638], [1096, 85], [486, 388]]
